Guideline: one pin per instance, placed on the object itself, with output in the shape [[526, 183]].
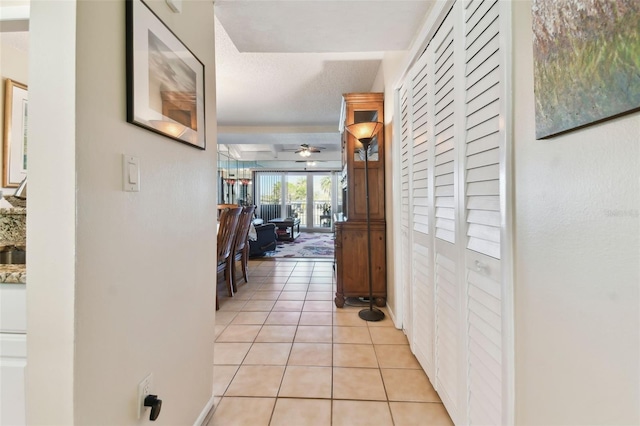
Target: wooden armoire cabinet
[[352, 273]]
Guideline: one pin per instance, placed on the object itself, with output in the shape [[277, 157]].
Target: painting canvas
[[586, 62], [165, 80]]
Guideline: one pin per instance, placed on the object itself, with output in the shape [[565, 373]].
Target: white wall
[[388, 75], [577, 262], [120, 284], [14, 64]]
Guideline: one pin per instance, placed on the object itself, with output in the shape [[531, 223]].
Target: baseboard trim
[[393, 318], [206, 414]]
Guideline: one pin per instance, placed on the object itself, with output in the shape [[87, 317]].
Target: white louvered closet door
[[485, 136], [454, 223], [447, 259], [405, 170], [423, 288]]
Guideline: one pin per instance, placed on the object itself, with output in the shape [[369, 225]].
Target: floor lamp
[[364, 133]]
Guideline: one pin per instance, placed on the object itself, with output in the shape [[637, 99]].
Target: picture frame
[[165, 80], [16, 100], [585, 63]]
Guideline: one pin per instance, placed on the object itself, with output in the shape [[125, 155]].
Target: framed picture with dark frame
[[165, 80]]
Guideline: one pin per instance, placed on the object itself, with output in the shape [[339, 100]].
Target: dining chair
[[223, 207], [226, 235], [240, 249]]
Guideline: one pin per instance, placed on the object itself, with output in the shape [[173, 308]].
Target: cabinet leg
[[381, 302], [339, 300]]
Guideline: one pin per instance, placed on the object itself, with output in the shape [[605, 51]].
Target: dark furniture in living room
[[265, 241], [351, 243], [288, 228]]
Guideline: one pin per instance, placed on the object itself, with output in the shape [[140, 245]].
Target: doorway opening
[[307, 196]]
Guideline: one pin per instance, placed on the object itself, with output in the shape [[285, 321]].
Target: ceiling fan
[[306, 150]]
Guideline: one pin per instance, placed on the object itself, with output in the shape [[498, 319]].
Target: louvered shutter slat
[[420, 121], [483, 188], [444, 171], [484, 143], [420, 192], [421, 137], [483, 129], [483, 173], [483, 246], [444, 179], [444, 191], [483, 97], [478, 84], [484, 232], [484, 69], [484, 203], [487, 111], [484, 217]]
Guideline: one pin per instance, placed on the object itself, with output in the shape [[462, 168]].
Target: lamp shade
[[364, 130]]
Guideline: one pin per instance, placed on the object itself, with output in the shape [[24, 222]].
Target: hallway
[[285, 355]]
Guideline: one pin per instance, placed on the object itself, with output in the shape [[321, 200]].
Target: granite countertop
[[13, 226], [13, 274], [12, 234], [13, 210]]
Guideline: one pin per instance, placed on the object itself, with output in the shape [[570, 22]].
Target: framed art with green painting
[[586, 62]]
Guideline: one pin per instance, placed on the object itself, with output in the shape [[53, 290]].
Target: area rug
[[308, 244]]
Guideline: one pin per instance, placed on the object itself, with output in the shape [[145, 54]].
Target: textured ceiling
[[282, 67], [321, 26], [276, 89]]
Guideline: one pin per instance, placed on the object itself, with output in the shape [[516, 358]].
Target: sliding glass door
[[296, 195], [308, 196], [322, 193]]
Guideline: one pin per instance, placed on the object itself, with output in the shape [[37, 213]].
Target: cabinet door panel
[[353, 272], [13, 363], [376, 195]]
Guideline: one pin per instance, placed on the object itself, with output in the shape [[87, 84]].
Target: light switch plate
[[130, 173]]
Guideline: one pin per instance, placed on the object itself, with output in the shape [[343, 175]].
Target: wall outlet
[[144, 389]]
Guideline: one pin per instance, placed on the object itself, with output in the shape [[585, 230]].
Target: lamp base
[[371, 314]]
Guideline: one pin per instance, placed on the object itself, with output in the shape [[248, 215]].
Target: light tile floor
[[285, 355]]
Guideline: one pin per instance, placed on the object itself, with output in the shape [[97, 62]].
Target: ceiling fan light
[[305, 153]]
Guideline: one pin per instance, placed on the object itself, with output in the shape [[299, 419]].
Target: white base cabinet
[[13, 354]]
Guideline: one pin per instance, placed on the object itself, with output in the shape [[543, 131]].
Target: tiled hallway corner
[[285, 355]]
